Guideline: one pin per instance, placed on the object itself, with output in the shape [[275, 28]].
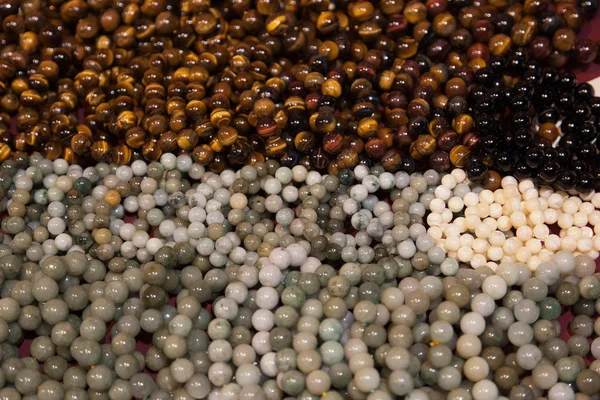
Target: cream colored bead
[[543, 203], [492, 265], [486, 196], [459, 174], [511, 246], [480, 246], [596, 242], [595, 200], [541, 231], [594, 254], [585, 245], [546, 191], [574, 232], [471, 199], [512, 192], [495, 253], [586, 207], [483, 210], [551, 216], [518, 219], [472, 221], [565, 221], [478, 260], [437, 205], [594, 218], [523, 254], [449, 181], [536, 217], [586, 232], [509, 180], [465, 254], [530, 194], [524, 233], [434, 219], [467, 240], [442, 192], [580, 219], [504, 223], [497, 238], [492, 223], [597, 229], [452, 243], [534, 245], [470, 211], [452, 230], [495, 210], [570, 206], [555, 200], [456, 204], [499, 197], [552, 242], [447, 216], [534, 262], [435, 232], [461, 222], [545, 255], [483, 231], [568, 244], [532, 205]]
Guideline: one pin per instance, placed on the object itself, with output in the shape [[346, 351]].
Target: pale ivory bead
[[594, 254], [568, 244], [508, 180], [597, 229], [452, 243], [452, 230], [585, 245], [455, 204], [541, 231], [511, 192], [504, 223], [495, 210], [471, 199], [523, 254], [497, 238], [495, 253], [478, 260], [565, 221], [595, 200], [434, 219], [470, 211], [524, 233], [467, 240], [465, 254], [551, 216], [534, 262], [483, 231], [459, 174], [529, 194], [480, 246], [534, 245], [499, 197], [518, 219], [492, 223], [447, 216], [536, 217], [587, 232], [570, 206], [555, 200], [545, 255], [594, 218], [449, 181], [461, 223], [435, 232], [573, 232], [552, 242], [580, 219], [511, 246], [596, 242]]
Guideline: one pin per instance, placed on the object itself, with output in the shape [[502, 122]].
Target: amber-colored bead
[[255, 157], [522, 33], [548, 131], [500, 44], [367, 127], [415, 12], [121, 154], [407, 47], [361, 10], [418, 108], [333, 168], [564, 40], [444, 24], [455, 87], [168, 142], [100, 151], [459, 155], [462, 123], [4, 152], [585, 51], [186, 139], [305, 141], [135, 137], [81, 143], [266, 127]]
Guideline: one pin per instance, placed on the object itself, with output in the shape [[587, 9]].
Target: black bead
[[476, 93], [549, 171], [565, 102], [485, 124], [521, 170], [566, 180], [524, 88], [549, 115], [580, 166], [417, 126], [522, 137], [587, 151], [489, 143], [569, 141], [567, 80], [485, 76], [505, 161], [584, 92], [520, 103], [595, 105], [320, 64], [581, 112], [588, 6], [586, 184], [534, 157], [408, 164], [476, 171], [498, 63], [297, 121], [503, 23], [521, 120], [564, 156], [569, 125]]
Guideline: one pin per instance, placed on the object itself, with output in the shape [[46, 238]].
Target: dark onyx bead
[[486, 105], [515, 65], [408, 164], [580, 166], [569, 125], [549, 22], [585, 184], [581, 112], [563, 155], [498, 95], [438, 112], [417, 126], [505, 161], [503, 23], [543, 97], [534, 157], [569, 141], [588, 132], [497, 63], [485, 124], [478, 92], [489, 143], [521, 170], [521, 120], [550, 76], [520, 103], [457, 105], [549, 171], [319, 64], [485, 76], [594, 104], [567, 80], [522, 137], [550, 154], [566, 180], [565, 102], [584, 92], [524, 89], [549, 115], [476, 171], [297, 121]]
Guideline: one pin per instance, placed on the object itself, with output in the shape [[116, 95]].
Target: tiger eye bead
[[333, 143], [459, 155], [304, 141], [462, 123], [100, 151]]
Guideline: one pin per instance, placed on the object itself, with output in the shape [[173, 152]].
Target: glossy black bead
[[549, 171], [565, 102], [534, 157], [520, 103], [498, 64], [564, 156], [587, 152], [476, 171], [580, 166], [489, 143], [585, 184], [476, 93], [503, 23], [504, 161], [522, 171], [549, 115], [522, 137], [566, 180], [521, 120], [485, 76], [485, 124], [567, 80], [408, 164], [581, 112], [594, 104], [584, 92], [589, 7], [417, 126], [588, 132], [297, 121], [569, 141]]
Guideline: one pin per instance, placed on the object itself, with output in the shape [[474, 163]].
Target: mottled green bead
[[83, 185], [331, 329], [280, 338], [286, 317], [567, 293], [549, 308], [293, 296], [285, 360], [568, 368], [340, 375], [332, 352], [309, 283], [428, 373], [369, 291], [291, 278], [292, 382]]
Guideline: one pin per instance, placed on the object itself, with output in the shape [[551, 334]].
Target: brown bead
[[462, 123], [275, 146], [121, 155], [564, 40], [440, 161], [548, 131], [459, 155], [304, 142], [333, 143], [492, 180], [423, 146], [375, 147], [101, 151], [135, 137], [391, 161], [347, 159], [444, 24]]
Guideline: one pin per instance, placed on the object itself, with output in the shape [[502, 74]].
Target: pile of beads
[[328, 84], [512, 223], [271, 298]]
